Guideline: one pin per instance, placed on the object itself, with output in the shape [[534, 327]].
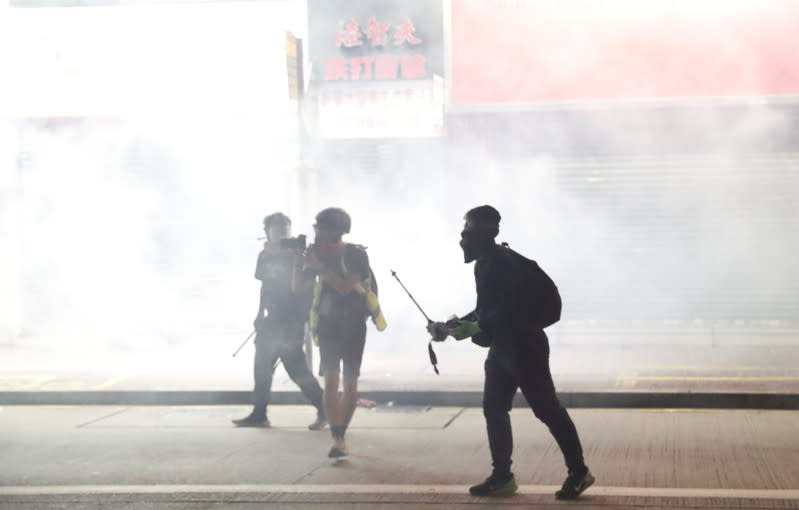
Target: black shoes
[[253, 420], [259, 419], [575, 484], [503, 486], [495, 486]]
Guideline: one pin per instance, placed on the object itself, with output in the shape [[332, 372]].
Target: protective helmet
[[335, 219]]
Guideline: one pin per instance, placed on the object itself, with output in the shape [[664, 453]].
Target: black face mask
[[475, 243]]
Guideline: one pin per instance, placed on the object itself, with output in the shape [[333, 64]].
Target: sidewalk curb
[[624, 400]]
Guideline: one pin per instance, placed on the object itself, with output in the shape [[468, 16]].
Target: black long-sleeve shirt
[[500, 312]]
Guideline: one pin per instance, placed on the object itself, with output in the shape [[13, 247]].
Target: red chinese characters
[[386, 67], [377, 32], [361, 68], [404, 34], [413, 67], [349, 35], [335, 69], [379, 66]]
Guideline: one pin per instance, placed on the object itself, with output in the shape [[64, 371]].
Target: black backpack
[[372, 279], [357, 247], [539, 296]]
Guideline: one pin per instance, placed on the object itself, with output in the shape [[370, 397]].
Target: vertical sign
[[294, 66]]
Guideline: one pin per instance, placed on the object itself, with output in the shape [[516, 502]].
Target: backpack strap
[[368, 289]]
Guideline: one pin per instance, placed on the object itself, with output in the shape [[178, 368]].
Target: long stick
[[394, 274], [243, 343], [430, 352]]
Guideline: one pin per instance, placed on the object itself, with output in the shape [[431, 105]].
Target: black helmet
[[278, 218], [335, 219]]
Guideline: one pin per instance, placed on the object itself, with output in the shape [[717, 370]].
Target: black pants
[[276, 341], [525, 365]]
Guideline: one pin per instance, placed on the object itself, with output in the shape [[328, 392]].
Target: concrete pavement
[[402, 457]]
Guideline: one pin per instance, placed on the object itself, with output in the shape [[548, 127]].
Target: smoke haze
[[130, 210]]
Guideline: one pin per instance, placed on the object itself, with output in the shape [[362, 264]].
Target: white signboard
[[391, 109]]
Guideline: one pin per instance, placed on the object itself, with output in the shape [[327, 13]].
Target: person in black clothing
[[280, 334], [518, 357]]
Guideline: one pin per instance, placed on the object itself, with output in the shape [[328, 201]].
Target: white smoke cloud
[[137, 233]]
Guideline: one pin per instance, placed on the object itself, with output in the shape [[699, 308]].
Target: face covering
[[326, 247], [475, 243]]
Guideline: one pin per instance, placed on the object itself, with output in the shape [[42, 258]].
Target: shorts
[[341, 342]]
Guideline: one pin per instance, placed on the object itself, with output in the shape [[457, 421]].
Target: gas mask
[[476, 242]]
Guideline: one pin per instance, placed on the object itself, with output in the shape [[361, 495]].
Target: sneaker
[[495, 487], [338, 450], [575, 484], [319, 424], [253, 420], [337, 453]]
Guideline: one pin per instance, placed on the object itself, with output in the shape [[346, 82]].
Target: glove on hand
[[438, 330], [464, 329]]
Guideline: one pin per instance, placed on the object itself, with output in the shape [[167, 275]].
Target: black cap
[[484, 216]]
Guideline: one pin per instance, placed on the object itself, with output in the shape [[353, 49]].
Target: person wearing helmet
[[280, 334], [510, 324], [338, 317]]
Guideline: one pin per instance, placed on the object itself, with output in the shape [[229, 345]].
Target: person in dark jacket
[[518, 358], [280, 334]]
